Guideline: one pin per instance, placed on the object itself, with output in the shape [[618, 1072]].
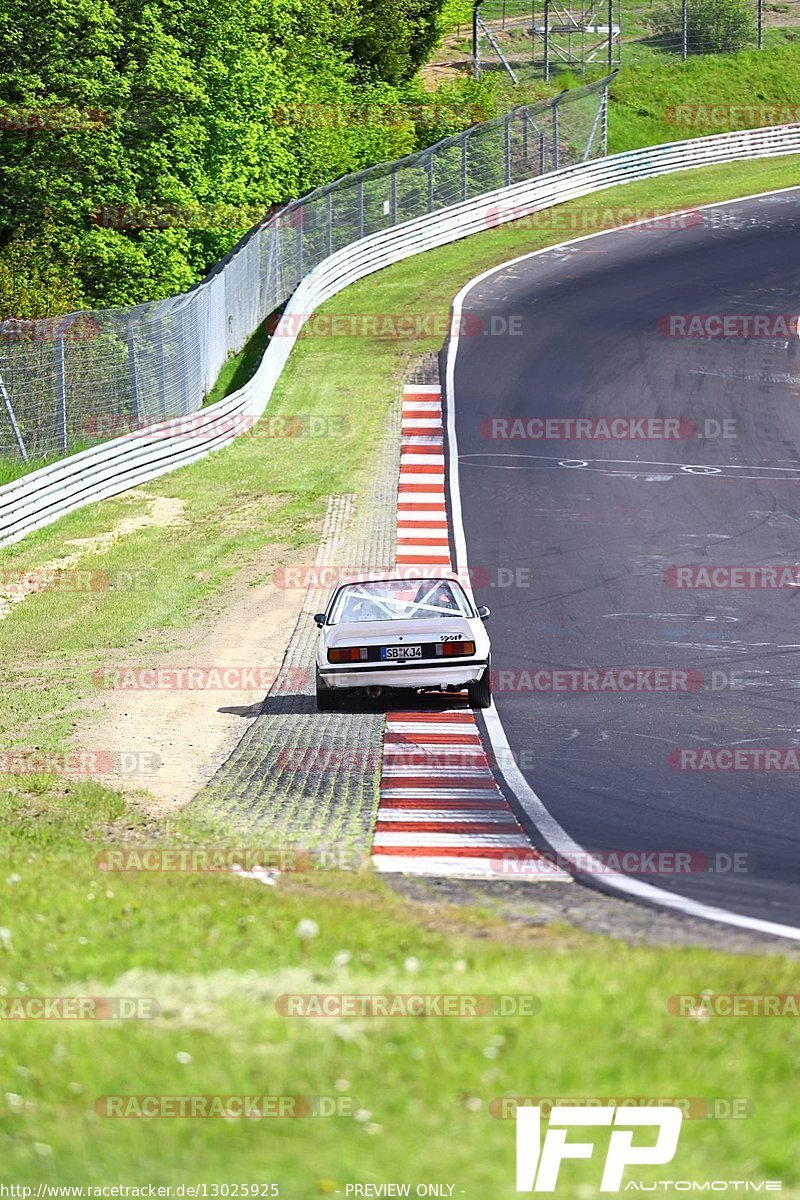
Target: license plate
[[401, 652]]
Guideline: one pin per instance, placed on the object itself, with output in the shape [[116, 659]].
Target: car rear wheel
[[480, 692], [326, 697]]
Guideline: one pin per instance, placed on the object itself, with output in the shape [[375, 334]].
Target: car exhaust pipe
[[375, 692]]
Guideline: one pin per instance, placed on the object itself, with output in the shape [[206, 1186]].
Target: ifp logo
[[538, 1162]]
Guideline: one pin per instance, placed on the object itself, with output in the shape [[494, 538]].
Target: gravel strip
[[298, 777], [540, 904]]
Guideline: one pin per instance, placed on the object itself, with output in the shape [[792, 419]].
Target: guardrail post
[[61, 390]]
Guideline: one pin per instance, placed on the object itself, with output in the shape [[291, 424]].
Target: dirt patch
[[167, 741], [162, 513]]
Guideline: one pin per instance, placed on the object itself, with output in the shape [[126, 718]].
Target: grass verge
[[729, 90], [414, 1094]]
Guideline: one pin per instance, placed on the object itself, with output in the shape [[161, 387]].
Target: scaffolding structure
[[577, 35], [528, 38]]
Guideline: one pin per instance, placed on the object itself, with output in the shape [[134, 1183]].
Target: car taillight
[[455, 649], [348, 654]]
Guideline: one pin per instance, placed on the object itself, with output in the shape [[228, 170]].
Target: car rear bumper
[[394, 675]]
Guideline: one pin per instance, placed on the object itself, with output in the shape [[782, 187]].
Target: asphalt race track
[[570, 542]]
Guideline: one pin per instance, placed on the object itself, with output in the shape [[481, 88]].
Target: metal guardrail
[[83, 377], [41, 497]]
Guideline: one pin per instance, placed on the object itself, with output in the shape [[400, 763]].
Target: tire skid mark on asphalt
[[441, 812]]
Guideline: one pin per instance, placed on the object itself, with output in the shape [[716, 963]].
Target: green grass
[[215, 952], [240, 367], [15, 468], [642, 96]]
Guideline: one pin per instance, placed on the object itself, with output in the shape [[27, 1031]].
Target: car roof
[[451, 577]]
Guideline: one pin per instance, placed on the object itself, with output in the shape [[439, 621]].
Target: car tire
[[326, 697], [480, 692]]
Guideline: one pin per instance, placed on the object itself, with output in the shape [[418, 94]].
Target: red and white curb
[[441, 811]]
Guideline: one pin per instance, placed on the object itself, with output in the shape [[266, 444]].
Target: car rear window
[[399, 600]]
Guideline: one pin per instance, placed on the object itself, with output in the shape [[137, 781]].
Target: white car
[[420, 634]]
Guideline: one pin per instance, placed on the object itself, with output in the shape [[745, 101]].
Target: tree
[[713, 26], [128, 106], [394, 37]]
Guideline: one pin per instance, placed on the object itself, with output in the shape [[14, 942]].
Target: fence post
[[394, 195], [430, 182], [761, 24], [546, 40], [361, 208], [525, 137], [464, 166], [684, 29], [61, 389], [162, 371], [297, 215], [610, 35], [133, 374], [599, 122], [507, 146], [12, 418], [556, 148], [330, 222], [476, 43]]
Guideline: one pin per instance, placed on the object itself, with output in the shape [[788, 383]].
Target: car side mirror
[[319, 620], [484, 612]]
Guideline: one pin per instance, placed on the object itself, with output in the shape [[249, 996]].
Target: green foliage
[[32, 279], [713, 26], [394, 37], [109, 108], [455, 13]]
